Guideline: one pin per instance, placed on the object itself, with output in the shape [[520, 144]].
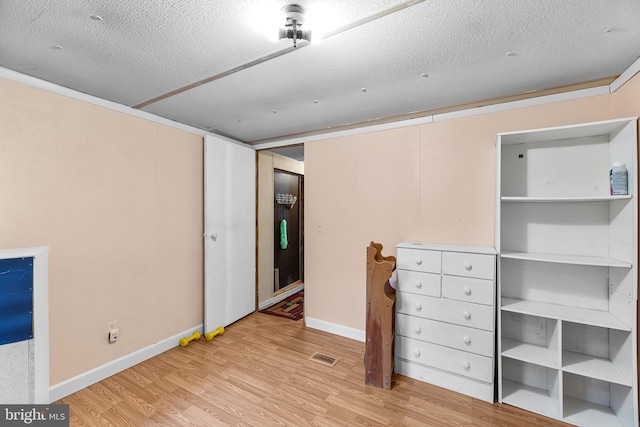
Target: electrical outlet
[[113, 335], [112, 325], [112, 331]]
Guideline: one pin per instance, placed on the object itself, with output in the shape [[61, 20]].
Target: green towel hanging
[[283, 234]]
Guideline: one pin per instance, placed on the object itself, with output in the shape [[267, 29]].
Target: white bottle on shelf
[[618, 179]]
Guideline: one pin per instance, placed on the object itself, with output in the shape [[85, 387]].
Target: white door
[[230, 232]]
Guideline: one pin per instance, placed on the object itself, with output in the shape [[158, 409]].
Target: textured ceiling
[[418, 56]]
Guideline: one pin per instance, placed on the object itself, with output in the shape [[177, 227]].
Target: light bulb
[[266, 18], [320, 20], [316, 37], [273, 34]]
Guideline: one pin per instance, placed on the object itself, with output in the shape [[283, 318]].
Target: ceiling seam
[[218, 76], [415, 115], [479, 110], [279, 53]]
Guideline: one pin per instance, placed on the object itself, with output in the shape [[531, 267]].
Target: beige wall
[[626, 100], [267, 162], [118, 200], [357, 189], [433, 182]]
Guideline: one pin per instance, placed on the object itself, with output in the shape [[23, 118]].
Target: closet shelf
[[581, 412], [533, 199], [575, 363], [527, 397], [530, 353], [584, 316], [593, 367], [567, 259]]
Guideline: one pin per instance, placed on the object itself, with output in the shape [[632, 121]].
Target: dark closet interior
[[288, 239]]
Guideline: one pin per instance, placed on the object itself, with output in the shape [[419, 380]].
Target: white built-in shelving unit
[[567, 273]]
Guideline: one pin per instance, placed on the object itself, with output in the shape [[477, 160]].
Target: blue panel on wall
[[16, 300]]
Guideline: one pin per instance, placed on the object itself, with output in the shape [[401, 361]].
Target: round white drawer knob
[[466, 365], [417, 353], [418, 306], [467, 265], [418, 285], [467, 290], [418, 261], [418, 329], [466, 339], [466, 315]]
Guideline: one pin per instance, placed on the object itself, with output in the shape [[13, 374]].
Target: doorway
[[269, 162], [288, 188]]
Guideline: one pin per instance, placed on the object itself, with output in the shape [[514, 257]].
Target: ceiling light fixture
[[293, 20]]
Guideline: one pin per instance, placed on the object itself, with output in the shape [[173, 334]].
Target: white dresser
[[445, 319]]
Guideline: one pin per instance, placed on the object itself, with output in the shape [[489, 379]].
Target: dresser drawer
[[454, 336], [419, 260], [418, 282], [479, 291], [448, 359], [445, 310], [469, 265]]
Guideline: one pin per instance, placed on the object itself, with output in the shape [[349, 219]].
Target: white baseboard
[[279, 297], [95, 375], [334, 328]]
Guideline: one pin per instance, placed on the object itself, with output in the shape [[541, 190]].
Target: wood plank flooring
[[258, 373]]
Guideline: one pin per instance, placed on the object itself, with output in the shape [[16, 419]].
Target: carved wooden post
[[381, 298]]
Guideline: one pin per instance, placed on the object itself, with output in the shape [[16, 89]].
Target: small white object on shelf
[[618, 179]]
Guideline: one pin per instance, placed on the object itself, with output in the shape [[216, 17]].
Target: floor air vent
[[324, 359]]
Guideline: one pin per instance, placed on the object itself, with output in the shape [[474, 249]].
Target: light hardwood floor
[[258, 374]]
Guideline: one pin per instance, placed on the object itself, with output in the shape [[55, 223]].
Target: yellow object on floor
[[209, 335], [185, 341]]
